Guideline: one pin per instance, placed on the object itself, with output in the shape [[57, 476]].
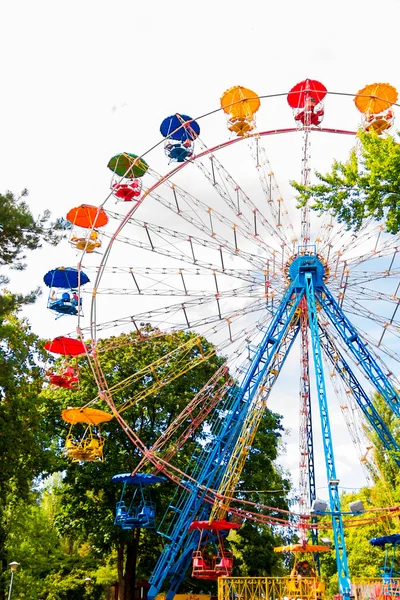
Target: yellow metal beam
[[271, 588], [250, 426], [164, 370]]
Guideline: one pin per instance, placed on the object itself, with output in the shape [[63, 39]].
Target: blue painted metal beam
[[334, 498], [180, 568], [208, 465], [371, 414], [359, 349]]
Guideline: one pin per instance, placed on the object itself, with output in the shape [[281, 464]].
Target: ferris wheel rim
[[94, 324], [170, 174]]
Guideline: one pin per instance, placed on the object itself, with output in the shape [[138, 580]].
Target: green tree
[[25, 437], [365, 560], [387, 470], [367, 185], [25, 443], [50, 566], [20, 231], [88, 497]]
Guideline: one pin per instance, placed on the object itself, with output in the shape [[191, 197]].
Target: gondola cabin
[[304, 582], [66, 346], [86, 221], [390, 571], [240, 105], [306, 100], [67, 378], [375, 102], [84, 441], [127, 192], [179, 132], [211, 560], [64, 285], [128, 170], [135, 508]]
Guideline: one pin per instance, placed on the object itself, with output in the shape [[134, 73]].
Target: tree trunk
[[120, 566], [130, 565]]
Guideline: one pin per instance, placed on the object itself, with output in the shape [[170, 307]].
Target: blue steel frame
[[371, 414], [207, 466], [333, 482]]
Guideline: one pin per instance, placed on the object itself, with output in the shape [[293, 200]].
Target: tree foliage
[[26, 437], [52, 567], [365, 186], [88, 497], [365, 560], [20, 232]]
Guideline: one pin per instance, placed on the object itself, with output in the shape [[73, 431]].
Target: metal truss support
[[307, 488], [307, 467], [209, 466], [250, 426], [333, 482], [232, 432], [371, 414], [188, 502], [358, 348], [237, 459]]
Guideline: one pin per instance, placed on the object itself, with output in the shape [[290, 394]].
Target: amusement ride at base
[[253, 276]]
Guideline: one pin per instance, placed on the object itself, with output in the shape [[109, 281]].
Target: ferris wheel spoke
[[181, 366], [387, 249], [174, 283], [368, 232], [325, 233], [370, 294], [353, 307], [191, 282], [191, 417], [273, 196], [158, 236], [249, 291], [206, 218], [227, 323], [358, 277], [155, 272], [222, 182], [378, 345], [236, 199], [342, 240], [160, 241], [153, 377], [181, 315]]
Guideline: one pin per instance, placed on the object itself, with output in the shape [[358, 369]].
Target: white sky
[[87, 79]]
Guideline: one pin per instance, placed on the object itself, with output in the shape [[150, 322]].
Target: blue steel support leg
[[371, 414], [211, 471], [179, 570], [334, 498], [359, 349]]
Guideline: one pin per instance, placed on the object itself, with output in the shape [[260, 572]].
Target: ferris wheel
[[213, 247]]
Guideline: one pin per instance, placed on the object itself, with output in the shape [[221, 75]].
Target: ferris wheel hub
[[307, 262]]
